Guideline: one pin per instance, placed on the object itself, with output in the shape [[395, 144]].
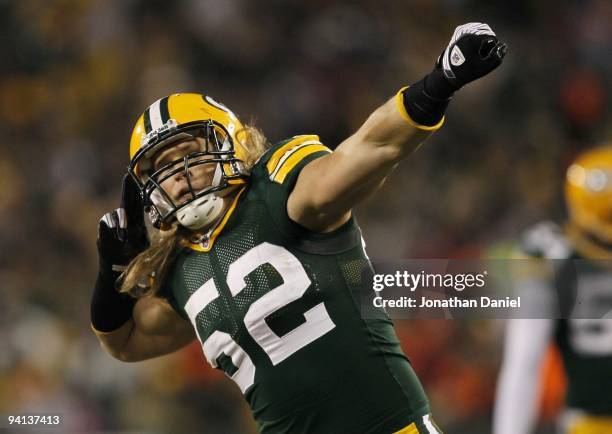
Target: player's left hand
[[472, 52]]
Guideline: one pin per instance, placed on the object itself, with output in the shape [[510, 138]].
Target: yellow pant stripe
[[410, 429], [591, 425]]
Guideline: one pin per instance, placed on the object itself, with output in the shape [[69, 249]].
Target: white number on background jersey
[[278, 348], [592, 337], [590, 325]]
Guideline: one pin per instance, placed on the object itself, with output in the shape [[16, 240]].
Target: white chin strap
[[201, 212]]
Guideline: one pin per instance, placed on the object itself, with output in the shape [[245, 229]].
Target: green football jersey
[[277, 307], [583, 292], [585, 340]]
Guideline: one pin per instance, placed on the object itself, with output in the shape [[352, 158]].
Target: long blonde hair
[[147, 271]]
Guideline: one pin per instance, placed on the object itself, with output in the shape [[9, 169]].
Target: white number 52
[[278, 348]]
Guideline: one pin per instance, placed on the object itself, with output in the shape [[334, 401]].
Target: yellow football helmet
[[183, 116], [588, 194]]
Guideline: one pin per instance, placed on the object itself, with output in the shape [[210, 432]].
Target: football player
[[578, 286], [257, 255]]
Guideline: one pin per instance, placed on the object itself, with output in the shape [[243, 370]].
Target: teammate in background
[[257, 254], [579, 287]]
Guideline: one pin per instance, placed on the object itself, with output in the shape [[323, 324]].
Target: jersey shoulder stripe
[[284, 159]]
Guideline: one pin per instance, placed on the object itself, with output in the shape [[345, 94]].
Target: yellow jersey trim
[[399, 102], [297, 155], [219, 228], [410, 429], [295, 141]]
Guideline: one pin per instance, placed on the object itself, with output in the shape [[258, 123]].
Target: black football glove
[[473, 52], [122, 233]]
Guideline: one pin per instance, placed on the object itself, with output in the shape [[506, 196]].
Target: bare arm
[[330, 186], [155, 329]]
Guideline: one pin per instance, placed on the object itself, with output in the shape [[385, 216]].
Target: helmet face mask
[[213, 127]]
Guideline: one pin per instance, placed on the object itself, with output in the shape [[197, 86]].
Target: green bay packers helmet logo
[[168, 121]]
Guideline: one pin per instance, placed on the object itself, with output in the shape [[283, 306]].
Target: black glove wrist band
[[110, 309], [437, 86], [424, 100]]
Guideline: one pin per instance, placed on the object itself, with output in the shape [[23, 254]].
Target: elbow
[[120, 354], [126, 358], [115, 353], [123, 356]]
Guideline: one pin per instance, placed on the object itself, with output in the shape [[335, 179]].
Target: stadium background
[[75, 74]]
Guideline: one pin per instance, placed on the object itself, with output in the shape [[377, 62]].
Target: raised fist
[[472, 52]]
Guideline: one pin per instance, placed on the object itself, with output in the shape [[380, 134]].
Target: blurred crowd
[[76, 74]]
